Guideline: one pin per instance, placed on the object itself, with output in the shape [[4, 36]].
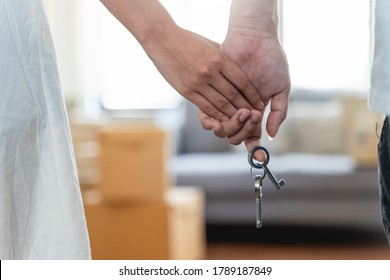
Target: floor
[[295, 243]]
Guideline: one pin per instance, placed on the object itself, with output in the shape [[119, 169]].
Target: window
[[327, 43]]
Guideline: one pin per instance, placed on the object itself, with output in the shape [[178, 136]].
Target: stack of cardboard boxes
[[134, 212]]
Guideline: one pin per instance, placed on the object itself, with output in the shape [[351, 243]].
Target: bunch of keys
[[278, 184]]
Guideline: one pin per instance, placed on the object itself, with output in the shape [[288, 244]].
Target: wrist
[[155, 30], [160, 41], [254, 18]]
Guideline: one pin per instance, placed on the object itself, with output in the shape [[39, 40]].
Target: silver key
[[277, 183], [259, 194]]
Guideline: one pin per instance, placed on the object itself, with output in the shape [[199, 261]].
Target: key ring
[[258, 165], [261, 176]]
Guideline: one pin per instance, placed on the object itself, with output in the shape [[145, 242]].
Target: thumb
[[278, 113]]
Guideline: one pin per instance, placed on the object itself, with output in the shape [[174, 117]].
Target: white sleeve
[[379, 100]]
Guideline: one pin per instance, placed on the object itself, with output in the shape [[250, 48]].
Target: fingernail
[[270, 138], [243, 116], [260, 105]]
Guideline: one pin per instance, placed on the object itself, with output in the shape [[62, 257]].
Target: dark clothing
[[384, 175]]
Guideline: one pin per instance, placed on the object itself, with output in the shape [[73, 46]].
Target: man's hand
[[264, 61]]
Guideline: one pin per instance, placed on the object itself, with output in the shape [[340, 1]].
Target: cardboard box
[[172, 228], [363, 129], [133, 163]]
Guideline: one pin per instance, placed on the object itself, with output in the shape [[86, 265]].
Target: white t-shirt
[[379, 99], [41, 211]]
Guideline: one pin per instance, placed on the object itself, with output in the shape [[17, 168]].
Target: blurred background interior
[[156, 186]]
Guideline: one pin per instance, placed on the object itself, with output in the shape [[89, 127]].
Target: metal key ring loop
[[250, 157], [262, 176]]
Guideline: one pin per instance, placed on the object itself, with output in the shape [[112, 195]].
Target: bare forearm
[[147, 20], [254, 17]]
